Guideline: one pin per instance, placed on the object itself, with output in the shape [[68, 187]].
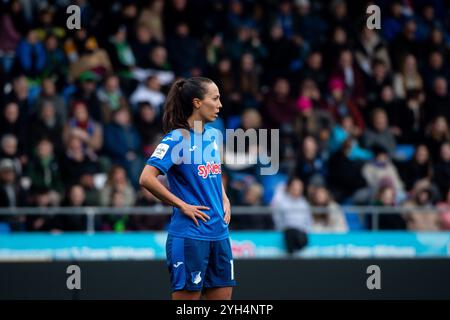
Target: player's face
[[210, 105]]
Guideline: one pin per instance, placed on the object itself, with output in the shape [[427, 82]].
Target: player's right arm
[[149, 180]]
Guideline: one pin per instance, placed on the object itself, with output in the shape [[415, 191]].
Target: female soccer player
[[198, 247]]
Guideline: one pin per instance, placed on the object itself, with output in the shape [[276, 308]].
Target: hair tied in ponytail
[[180, 84]]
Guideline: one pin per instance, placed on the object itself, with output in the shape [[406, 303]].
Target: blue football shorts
[[197, 264]]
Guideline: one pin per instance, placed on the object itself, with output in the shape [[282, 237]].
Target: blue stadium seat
[[4, 228], [269, 183], [404, 152], [354, 221]]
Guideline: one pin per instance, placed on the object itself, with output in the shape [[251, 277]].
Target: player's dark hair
[[178, 106]]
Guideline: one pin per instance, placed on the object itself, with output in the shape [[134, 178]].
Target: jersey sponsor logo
[[204, 170], [160, 151]]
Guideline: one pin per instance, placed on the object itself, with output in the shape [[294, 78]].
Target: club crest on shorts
[[196, 277]]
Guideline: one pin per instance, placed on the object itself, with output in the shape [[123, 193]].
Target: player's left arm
[[226, 206]]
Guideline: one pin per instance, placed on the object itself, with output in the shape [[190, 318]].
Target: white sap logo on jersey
[[160, 151], [196, 277]]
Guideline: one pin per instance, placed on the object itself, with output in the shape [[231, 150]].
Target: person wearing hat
[[87, 92]]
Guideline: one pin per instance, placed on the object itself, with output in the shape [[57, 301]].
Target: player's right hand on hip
[[194, 212]]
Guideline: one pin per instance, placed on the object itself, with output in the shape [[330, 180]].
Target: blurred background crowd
[[363, 114]]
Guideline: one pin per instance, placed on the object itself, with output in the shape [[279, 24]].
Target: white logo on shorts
[[196, 277]]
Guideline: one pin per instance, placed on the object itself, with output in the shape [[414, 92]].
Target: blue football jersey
[[192, 164]]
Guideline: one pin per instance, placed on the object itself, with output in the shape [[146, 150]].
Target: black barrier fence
[[257, 279]]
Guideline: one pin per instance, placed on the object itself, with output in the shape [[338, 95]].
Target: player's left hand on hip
[[227, 209]]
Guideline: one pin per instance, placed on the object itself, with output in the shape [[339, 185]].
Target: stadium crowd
[[363, 114]]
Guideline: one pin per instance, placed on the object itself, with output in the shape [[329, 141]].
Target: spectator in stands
[[280, 54], [120, 53], [333, 219], [313, 118], [379, 133], [75, 197], [48, 93], [381, 171], [10, 123], [427, 220], [30, 55], [346, 130], [9, 39], [85, 55], [20, 94], [310, 167], [442, 169], [144, 42], [406, 117], [248, 81], [82, 126], [407, 41], [280, 107], [117, 180], [47, 125], [86, 91], [148, 125], [348, 72], [185, 52], [436, 41], [252, 196], [386, 197], [12, 194], [149, 92], [76, 164], [408, 78], [371, 47], [111, 97], [56, 61], [380, 77], [116, 222], [123, 144], [345, 176], [438, 101], [148, 222], [292, 214], [159, 60], [419, 168], [315, 70], [44, 171], [152, 17], [436, 134], [435, 68], [340, 106], [9, 150], [40, 197]]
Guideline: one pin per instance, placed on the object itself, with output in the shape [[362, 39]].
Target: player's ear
[[197, 103]]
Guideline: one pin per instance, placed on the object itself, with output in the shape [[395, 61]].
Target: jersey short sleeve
[[163, 158]]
